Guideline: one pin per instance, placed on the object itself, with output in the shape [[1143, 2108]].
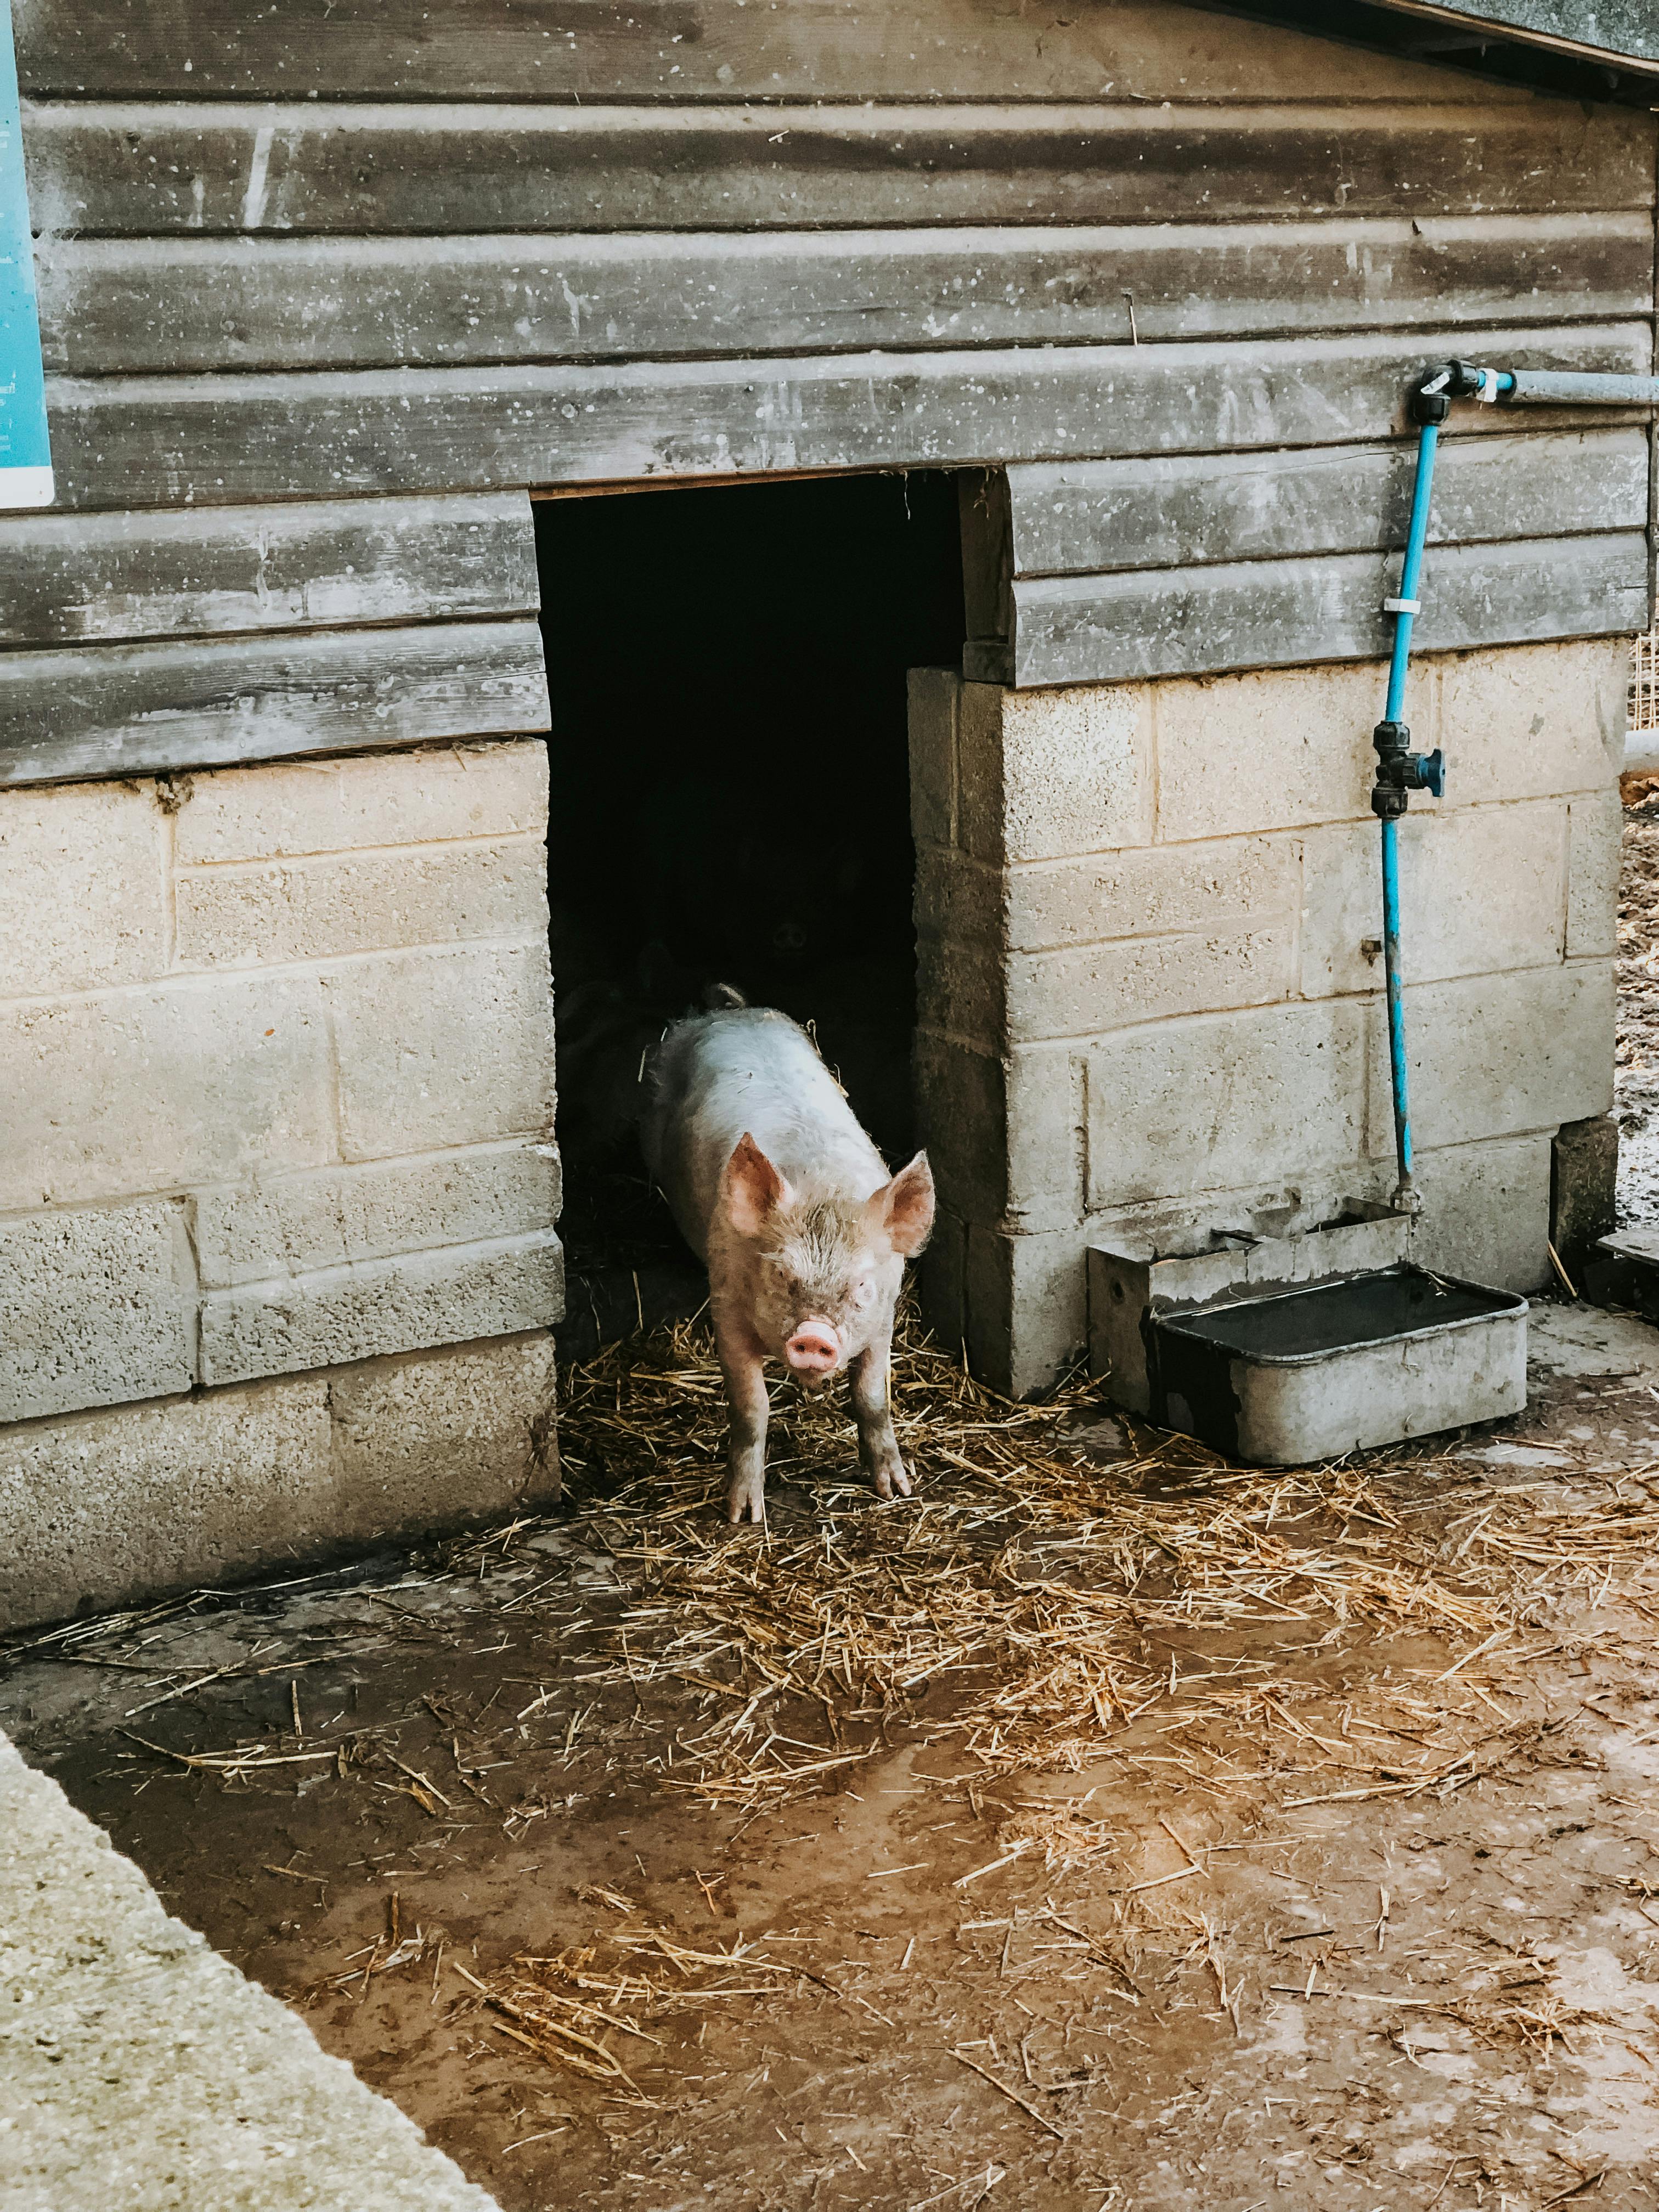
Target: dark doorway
[[730, 803]]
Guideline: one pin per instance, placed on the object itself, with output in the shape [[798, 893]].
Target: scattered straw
[[1015, 1602], [569, 2009]]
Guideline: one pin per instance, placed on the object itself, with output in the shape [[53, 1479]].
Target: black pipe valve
[[1431, 397], [1400, 771]]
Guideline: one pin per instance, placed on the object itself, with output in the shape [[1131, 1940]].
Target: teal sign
[[25, 455]]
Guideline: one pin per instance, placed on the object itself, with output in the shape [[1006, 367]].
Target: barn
[[570, 495]]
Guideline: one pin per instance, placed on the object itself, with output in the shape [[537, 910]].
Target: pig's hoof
[[892, 1482], [746, 1499]]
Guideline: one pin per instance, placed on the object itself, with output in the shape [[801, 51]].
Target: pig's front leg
[[878, 1445], [741, 1362]]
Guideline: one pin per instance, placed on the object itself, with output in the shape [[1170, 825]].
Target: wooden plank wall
[[326, 288], [1109, 570]]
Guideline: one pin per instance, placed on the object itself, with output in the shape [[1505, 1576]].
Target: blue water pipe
[[1398, 770]]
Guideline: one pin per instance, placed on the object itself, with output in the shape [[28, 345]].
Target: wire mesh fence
[[1644, 682]]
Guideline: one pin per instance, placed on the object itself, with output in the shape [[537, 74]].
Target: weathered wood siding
[[142, 168], [133, 306], [1114, 569], [326, 288]]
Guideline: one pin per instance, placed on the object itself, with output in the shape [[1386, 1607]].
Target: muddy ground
[[1102, 1828], [1313, 1886]]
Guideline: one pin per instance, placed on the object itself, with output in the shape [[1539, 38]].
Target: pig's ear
[[906, 1206], [751, 1188]]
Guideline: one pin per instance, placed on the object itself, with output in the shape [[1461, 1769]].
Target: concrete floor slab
[[142, 2073], [1583, 1339]]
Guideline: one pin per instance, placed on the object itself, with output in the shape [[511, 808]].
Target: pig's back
[[748, 1069]]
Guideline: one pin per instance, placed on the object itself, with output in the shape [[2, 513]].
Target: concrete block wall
[[1149, 932], [276, 1045], [276, 1059], [108, 1507]]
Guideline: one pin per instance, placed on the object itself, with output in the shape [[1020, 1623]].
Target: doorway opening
[[729, 803]]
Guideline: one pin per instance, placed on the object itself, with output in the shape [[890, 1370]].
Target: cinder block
[[205, 1079], [1485, 1212], [99, 1307], [1525, 720], [415, 795], [1495, 1055], [960, 897], [1480, 889], [1154, 892], [962, 990], [401, 1304], [1044, 1089], [337, 1216], [443, 1048], [1087, 989], [105, 1508], [108, 1509], [934, 699], [1221, 1101], [941, 1281], [961, 1113], [83, 888], [1027, 1308], [361, 902], [1595, 827], [1584, 1187], [1265, 751], [461, 1432], [1048, 773], [1004, 1133], [970, 990]]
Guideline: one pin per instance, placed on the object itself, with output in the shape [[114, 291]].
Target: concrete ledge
[[110, 1508], [141, 2069]]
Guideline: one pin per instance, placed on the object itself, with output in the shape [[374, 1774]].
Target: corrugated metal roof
[[1625, 33]]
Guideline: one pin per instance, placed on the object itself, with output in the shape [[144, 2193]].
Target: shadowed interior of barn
[[729, 803]]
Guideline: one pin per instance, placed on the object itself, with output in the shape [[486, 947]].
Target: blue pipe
[[1405, 613], [1402, 1104], [1398, 770]]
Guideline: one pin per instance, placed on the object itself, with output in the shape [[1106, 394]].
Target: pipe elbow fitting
[[1436, 389]]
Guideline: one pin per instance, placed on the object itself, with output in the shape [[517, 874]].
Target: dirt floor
[[1104, 1827]]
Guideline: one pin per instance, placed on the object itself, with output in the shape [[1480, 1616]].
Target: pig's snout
[[813, 1349]]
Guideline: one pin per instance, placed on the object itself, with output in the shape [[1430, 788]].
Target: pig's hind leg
[[871, 1409], [742, 1364]]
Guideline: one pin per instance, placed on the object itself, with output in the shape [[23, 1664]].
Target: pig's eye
[[863, 1292]]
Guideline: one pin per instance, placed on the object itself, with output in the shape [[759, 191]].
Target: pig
[[776, 1187]]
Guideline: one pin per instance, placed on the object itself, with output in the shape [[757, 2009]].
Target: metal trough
[[1311, 1372]]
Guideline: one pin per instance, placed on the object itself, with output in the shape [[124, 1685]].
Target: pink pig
[[776, 1186]]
